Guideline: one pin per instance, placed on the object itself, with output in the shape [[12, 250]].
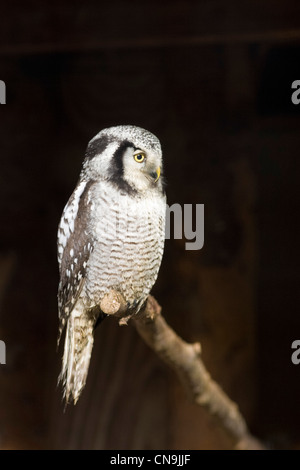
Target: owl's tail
[[78, 347]]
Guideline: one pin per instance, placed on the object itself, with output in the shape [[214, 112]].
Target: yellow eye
[[139, 157]]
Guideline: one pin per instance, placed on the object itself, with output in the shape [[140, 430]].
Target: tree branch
[[185, 359]]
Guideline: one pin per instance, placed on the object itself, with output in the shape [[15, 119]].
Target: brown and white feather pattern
[[111, 236], [75, 244]]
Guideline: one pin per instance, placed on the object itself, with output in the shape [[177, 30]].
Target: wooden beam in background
[[269, 37], [43, 27]]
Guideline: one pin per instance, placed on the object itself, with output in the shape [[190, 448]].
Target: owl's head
[[128, 156]]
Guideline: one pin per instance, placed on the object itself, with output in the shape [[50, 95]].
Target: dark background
[[213, 81]]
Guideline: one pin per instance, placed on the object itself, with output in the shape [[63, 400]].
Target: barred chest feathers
[[128, 242]]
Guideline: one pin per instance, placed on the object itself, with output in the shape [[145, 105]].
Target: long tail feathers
[[79, 342]]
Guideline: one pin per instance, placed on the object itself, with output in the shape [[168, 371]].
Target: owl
[[110, 237]]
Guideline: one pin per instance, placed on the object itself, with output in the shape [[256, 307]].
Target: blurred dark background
[[213, 81]]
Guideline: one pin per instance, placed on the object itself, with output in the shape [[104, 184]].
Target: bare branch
[[185, 359]]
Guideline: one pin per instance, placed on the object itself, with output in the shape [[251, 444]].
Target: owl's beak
[[156, 174]]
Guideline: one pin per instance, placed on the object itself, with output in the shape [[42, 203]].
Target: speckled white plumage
[[128, 247], [111, 236]]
